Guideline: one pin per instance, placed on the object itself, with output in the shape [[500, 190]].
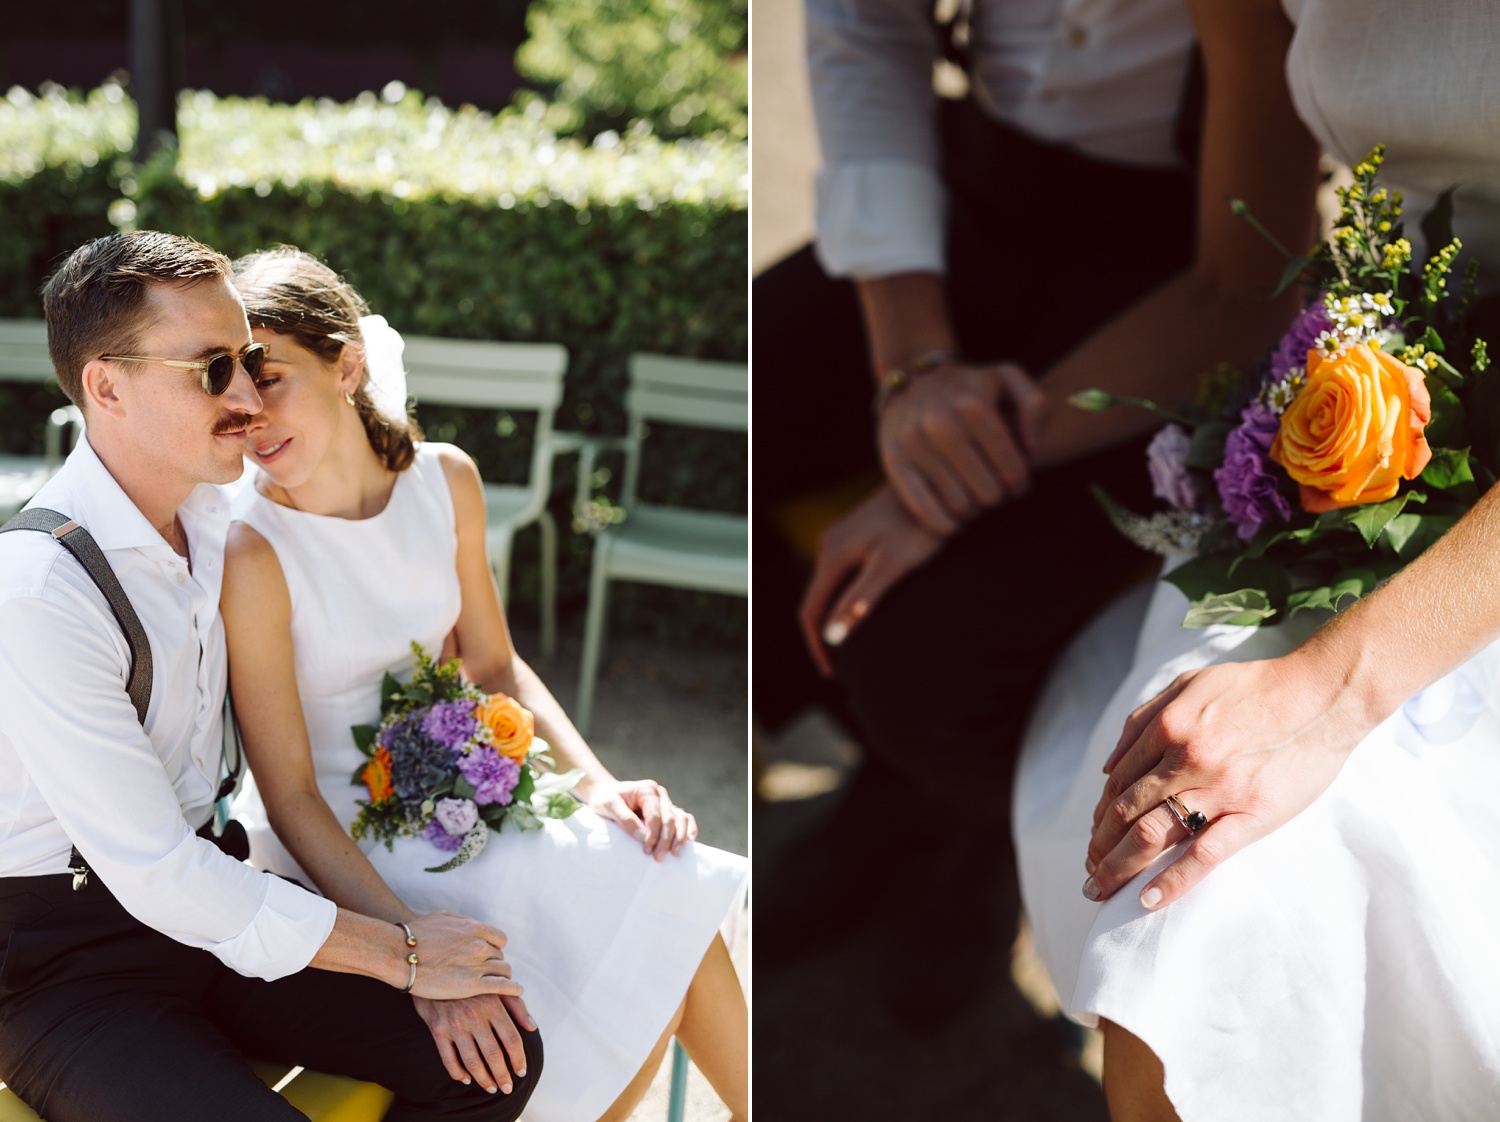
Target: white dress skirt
[[604, 938], [1347, 966]]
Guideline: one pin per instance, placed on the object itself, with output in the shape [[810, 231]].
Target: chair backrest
[[491, 375], [23, 351], [682, 391]]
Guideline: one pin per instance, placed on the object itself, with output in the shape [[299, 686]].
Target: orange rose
[[1355, 430], [510, 723], [377, 776]]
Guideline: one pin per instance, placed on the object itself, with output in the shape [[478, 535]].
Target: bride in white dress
[[351, 541], [1325, 947]]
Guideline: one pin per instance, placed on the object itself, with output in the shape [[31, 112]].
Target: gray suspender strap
[[80, 543]]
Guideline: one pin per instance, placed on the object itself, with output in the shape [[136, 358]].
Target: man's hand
[[645, 811], [946, 445], [864, 553], [475, 1035], [460, 957]]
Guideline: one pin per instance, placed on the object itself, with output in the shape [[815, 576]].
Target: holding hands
[[1249, 745], [946, 445]]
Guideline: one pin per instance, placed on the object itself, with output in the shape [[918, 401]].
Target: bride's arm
[[642, 807], [257, 611]]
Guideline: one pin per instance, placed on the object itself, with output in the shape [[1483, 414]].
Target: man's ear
[[101, 386]]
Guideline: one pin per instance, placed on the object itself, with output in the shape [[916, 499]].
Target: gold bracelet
[[411, 959], [897, 378]]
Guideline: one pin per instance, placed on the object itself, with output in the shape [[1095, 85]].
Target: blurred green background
[[598, 200]]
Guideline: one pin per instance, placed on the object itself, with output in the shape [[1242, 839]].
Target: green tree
[[679, 64]]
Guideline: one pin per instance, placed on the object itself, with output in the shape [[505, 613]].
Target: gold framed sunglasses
[[215, 372]]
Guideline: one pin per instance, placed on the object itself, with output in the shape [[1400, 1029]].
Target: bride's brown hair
[[294, 294]]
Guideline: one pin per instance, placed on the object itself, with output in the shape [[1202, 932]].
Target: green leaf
[[1437, 226], [1207, 448], [1448, 468], [1350, 583], [389, 688], [1449, 425], [524, 786], [1370, 519], [358, 778], [1431, 339], [1410, 534], [1242, 607], [364, 738], [1289, 275], [462, 788]]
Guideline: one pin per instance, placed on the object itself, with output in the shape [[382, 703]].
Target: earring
[[349, 397]]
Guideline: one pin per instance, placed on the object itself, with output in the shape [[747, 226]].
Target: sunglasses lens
[[220, 374], [254, 357]]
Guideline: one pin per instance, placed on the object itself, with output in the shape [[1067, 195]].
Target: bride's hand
[[647, 813], [1250, 745], [475, 1035]]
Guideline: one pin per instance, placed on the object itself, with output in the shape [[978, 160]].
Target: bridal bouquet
[[451, 763], [1360, 439]]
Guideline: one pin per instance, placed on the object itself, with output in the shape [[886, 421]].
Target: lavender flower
[[457, 815], [1301, 337], [418, 762], [1248, 487], [1166, 457], [441, 837], [451, 723], [494, 776]]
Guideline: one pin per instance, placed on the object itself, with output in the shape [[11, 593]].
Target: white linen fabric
[[1103, 77], [604, 938], [1343, 967], [78, 768], [1420, 79]]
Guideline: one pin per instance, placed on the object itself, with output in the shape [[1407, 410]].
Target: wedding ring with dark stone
[[1190, 820]]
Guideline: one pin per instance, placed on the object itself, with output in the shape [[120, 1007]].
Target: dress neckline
[[310, 514]]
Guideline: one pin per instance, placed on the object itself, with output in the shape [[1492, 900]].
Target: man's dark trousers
[[1044, 248], [103, 1019]]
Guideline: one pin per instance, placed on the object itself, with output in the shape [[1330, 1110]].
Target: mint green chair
[[657, 544]]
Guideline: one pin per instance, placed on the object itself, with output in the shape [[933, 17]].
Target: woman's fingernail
[[467, 1082], [507, 1088], [521, 1074], [859, 609], [1151, 897], [1089, 866], [1091, 888], [835, 633]]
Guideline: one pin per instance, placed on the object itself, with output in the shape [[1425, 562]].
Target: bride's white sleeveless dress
[[604, 938], [1347, 966]]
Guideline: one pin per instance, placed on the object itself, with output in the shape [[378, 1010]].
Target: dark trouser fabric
[[103, 1019], [1044, 248]]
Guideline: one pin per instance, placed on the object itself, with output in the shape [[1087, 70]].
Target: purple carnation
[[451, 723], [419, 764], [441, 837], [1248, 487], [1166, 458], [457, 816], [1291, 352], [494, 776]]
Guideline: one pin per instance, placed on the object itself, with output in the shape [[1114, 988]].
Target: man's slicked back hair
[[94, 302]]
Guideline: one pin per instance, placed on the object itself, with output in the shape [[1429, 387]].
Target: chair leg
[[593, 635], [677, 1099], [549, 584]]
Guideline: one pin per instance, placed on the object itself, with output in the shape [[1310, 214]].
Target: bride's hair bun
[[291, 292]]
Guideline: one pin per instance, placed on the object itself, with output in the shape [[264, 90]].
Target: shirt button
[[181, 578], [1077, 36]]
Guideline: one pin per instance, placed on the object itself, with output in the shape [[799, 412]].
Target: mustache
[[231, 422]]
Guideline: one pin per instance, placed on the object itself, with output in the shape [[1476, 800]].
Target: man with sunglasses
[[111, 885]]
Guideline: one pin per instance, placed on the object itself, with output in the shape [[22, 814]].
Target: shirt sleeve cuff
[[291, 926], [880, 218]]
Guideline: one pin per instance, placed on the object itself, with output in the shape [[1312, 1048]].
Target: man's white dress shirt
[[1101, 77], [76, 766]]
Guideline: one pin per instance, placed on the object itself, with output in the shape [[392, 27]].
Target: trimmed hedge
[[453, 223]]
